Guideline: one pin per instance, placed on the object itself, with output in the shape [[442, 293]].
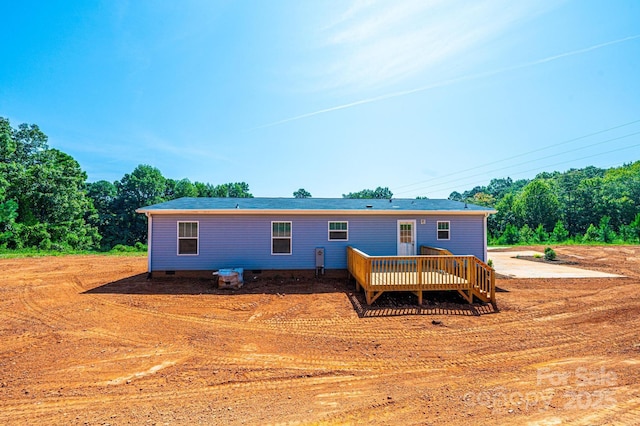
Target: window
[[280, 237], [338, 231], [188, 238], [443, 230], [406, 233]]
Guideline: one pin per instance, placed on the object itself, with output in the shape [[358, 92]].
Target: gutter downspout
[[149, 232], [484, 239]]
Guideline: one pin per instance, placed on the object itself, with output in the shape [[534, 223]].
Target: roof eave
[[311, 212]]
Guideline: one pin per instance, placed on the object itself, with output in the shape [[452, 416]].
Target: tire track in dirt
[[60, 323], [267, 360], [303, 328], [240, 391]]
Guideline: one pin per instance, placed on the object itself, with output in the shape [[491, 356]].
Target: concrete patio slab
[[507, 263]]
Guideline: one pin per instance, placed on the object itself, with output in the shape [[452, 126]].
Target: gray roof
[[213, 205]]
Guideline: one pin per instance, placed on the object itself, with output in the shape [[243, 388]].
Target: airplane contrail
[[448, 82]]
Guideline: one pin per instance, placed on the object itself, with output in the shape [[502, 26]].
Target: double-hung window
[[443, 230], [280, 237], [188, 238], [338, 231]]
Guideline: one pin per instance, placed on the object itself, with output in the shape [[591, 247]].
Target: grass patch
[[120, 250]]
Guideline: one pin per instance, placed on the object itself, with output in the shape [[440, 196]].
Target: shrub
[[627, 234], [607, 234], [540, 235], [526, 235], [591, 235], [549, 254], [510, 236], [634, 229], [121, 248], [490, 263], [559, 233]]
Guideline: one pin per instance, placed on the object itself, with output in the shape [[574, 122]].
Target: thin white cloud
[[452, 81], [188, 151], [381, 42]]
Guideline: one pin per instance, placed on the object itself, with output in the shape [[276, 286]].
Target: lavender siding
[[245, 240]]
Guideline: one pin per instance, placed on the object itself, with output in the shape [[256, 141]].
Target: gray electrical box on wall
[[319, 260]]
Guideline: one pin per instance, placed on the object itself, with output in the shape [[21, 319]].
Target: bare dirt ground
[[89, 340]]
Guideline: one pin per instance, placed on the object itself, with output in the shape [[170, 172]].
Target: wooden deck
[[467, 275]]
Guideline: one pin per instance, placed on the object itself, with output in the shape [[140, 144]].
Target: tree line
[[47, 203], [590, 205]]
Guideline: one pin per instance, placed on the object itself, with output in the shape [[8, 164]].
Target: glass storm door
[[406, 237]]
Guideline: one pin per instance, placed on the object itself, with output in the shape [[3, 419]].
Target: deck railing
[[377, 274], [434, 251]]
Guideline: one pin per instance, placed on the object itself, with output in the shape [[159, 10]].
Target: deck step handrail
[[434, 251], [467, 274]]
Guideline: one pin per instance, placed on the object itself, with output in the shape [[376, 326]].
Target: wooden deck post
[[492, 279], [472, 278]]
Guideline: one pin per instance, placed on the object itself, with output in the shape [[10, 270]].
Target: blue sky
[[334, 96]]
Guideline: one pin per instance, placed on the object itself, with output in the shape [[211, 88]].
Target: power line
[[519, 155], [529, 161], [552, 165]]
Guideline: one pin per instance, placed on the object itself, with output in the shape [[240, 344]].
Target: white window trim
[[290, 238], [178, 238], [448, 222], [329, 230]]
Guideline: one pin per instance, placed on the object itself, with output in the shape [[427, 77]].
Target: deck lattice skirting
[[433, 270]]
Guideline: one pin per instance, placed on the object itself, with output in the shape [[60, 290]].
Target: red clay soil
[[89, 340]]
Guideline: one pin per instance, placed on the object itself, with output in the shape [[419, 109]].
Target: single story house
[[207, 234]]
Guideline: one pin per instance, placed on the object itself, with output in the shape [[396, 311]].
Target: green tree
[[621, 194], [537, 204], [143, 187], [8, 215], [498, 188], [483, 199], [184, 188], [588, 207], [606, 234], [526, 235], [510, 236], [454, 196], [379, 193], [635, 226], [570, 196], [302, 193], [29, 140], [46, 188], [559, 233], [591, 235], [540, 235], [204, 189], [497, 223], [104, 194], [7, 144], [232, 190]]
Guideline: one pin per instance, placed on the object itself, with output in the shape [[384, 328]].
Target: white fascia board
[[315, 212]]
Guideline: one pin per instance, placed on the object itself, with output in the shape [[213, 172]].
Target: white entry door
[[406, 237]]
